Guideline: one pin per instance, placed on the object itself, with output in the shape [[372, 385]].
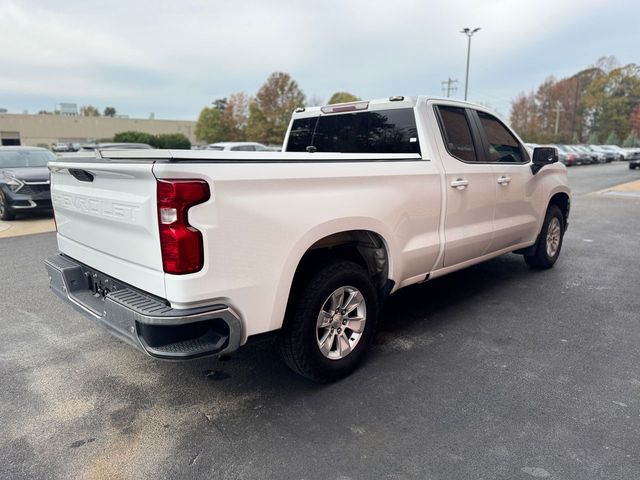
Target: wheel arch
[[365, 247], [563, 201], [363, 243]]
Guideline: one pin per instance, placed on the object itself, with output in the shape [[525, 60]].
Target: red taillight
[[181, 244]]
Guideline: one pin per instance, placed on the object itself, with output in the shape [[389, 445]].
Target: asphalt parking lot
[[495, 372]]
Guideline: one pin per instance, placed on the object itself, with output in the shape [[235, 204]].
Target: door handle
[[504, 180], [460, 183]]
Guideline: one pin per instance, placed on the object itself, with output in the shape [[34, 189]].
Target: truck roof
[[387, 103]]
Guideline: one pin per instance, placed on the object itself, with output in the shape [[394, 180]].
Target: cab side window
[[503, 147], [457, 133]]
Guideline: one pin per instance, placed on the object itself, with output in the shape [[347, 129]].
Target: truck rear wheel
[[549, 241], [330, 323]]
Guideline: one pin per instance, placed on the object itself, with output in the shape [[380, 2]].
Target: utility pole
[[558, 110], [449, 86], [469, 33]]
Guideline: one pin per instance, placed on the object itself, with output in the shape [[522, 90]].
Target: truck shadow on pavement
[[416, 311]]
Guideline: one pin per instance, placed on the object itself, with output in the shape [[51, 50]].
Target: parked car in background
[[61, 147], [633, 164], [239, 147], [596, 156], [569, 156], [584, 158], [609, 155], [24, 180], [633, 154], [619, 153], [114, 146], [563, 157]]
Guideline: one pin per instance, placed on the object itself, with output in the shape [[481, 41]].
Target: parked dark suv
[[24, 180]]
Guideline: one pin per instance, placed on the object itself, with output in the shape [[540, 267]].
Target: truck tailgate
[[107, 218]]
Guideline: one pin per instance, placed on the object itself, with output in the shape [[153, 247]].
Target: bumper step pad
[[142, 320]]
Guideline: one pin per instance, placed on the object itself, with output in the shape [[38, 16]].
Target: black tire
[[5, 212], [541, 259], [298, 343]]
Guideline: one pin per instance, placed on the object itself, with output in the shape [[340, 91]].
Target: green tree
[[630, 141], [342, 97], [270, 111], [611, 99], [597, 100], [163, 140], [593, 139], [225, 120], [89, 111], [109, 112], [235, 116], [210, 126], [172, 141], [612, 139], [634, 119], [220, 104], [135, 137]]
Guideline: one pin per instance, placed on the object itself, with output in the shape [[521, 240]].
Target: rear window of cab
[[381, 131]]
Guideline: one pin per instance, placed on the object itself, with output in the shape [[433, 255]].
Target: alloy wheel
[[341, 322]]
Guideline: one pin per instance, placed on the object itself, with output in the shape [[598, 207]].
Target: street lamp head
[[469, 32]]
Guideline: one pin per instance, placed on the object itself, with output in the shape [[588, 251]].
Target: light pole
[[469, 33]]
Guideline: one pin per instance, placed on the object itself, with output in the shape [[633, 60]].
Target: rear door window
[[457, 133], [382, 131]]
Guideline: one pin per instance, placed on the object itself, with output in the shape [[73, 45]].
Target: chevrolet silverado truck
[[185, 254]]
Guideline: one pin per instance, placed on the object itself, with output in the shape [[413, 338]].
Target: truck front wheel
[[330, 323], [549, 241]]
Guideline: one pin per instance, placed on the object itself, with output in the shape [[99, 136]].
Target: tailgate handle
[[81, 175]]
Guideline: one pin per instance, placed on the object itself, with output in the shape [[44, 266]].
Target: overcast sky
[[173, 58]]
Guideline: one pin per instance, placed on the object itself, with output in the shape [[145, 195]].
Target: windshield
[[25, 158], [215, 147]]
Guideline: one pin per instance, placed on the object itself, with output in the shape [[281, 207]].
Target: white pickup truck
[[186, 254]]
